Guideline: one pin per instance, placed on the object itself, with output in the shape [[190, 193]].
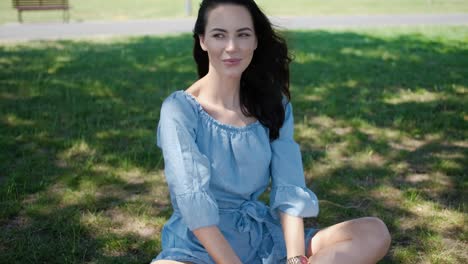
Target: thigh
[[341, 232], [169, 262]]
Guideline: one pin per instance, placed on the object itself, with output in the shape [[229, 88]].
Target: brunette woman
[[226, 138]]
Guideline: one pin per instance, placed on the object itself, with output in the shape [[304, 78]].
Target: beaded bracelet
[[298, 260]]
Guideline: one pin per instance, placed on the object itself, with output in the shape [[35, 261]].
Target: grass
[[380, 115], [84, 10]]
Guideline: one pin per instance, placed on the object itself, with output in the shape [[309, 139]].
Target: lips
[[231, 61]]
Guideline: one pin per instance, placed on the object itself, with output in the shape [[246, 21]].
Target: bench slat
[[31, 5], [51, 7], [35, 3]]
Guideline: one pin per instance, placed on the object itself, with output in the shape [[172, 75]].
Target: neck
[[221, 90]]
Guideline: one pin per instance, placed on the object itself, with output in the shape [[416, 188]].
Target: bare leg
[[363, 240], [168, 262]]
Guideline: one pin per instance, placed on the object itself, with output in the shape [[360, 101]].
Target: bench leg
[[66, 16], [20, 17]]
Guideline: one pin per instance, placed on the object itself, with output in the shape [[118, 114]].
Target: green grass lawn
[[381, 116], [84, 10]]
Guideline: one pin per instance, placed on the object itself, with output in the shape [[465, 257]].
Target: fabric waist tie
[[252, 217]]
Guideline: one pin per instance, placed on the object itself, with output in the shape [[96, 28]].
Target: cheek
[[248, 55], [248, 47], [214, 50], [214, 47]]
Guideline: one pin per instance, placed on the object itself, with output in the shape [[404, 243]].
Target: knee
[[378, 232]]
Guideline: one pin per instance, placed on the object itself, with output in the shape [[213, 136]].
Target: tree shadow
[[60, 235], [79, 114], [107, 95], [363, 84]]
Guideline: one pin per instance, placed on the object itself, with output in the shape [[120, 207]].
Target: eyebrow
[[239, 30]]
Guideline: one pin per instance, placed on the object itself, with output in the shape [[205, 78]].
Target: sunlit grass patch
[[421, 95]]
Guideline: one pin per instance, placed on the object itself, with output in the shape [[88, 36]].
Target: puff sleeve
[[186, 169], [289, 193]]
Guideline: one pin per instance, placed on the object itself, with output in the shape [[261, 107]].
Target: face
[[229, 40]]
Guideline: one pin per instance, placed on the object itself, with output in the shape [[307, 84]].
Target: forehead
[[229, 17]]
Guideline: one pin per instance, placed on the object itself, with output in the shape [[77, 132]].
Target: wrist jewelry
[[298, 260]]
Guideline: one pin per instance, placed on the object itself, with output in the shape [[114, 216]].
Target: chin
[[233, 74]]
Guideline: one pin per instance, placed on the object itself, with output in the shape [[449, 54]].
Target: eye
[[218, 36], [244, 35]]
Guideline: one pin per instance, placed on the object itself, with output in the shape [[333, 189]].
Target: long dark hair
[[266, 80]]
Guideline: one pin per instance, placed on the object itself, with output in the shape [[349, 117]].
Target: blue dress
[[216, 173]]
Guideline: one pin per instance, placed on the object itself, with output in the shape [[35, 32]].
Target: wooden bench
[[31, 5]]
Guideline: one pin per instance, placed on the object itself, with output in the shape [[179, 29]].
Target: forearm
[[216, 245], [293, 229]]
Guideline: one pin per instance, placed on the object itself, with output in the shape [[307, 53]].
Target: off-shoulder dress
[[216, 173]]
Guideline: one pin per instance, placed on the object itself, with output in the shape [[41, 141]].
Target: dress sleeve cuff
[[293, 200], [198, 209]]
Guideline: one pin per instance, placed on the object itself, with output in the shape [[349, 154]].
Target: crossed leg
[[363, 240], [168, 262]]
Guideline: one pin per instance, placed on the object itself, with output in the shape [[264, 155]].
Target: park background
[[380, 112]]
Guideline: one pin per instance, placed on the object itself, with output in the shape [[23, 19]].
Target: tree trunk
[[188, 7]]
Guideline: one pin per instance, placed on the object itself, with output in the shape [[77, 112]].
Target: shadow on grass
[[366, 88], [78, 119]]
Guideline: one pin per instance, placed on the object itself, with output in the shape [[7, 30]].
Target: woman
[[226, 137]]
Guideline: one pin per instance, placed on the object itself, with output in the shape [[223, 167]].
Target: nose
[[231, 45]]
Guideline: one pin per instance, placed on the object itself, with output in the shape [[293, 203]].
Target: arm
[[188, 172], [290, 199], [293, 229], [216, 245]]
